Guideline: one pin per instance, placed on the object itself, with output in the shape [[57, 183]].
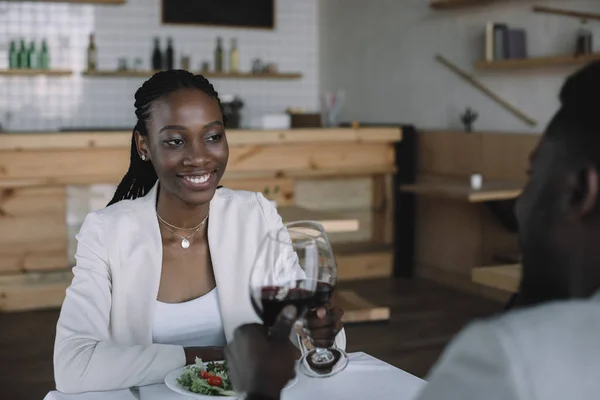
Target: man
[[548, 346]]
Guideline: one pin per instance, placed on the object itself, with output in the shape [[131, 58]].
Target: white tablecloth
[[365, 378]]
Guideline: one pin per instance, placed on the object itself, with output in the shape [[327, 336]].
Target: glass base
[[321, 364]]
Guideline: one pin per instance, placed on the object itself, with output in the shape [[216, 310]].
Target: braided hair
[[141, 176]]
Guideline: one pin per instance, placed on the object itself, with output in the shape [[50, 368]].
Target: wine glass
[[284, 272], [320, 362]]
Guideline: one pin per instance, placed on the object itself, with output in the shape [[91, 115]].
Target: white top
[[194, 323], [547, 352]]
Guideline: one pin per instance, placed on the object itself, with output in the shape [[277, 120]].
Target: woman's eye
[[214, 137], [174, 142]]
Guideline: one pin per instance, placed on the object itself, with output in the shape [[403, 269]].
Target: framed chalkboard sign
[[234, 13]]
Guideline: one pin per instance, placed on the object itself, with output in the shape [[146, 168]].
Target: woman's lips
[[198, 182]]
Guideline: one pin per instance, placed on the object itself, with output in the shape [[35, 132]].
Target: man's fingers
[[321, 312], [285, 321]]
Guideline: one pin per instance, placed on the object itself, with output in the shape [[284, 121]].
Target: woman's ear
[[141, 142]]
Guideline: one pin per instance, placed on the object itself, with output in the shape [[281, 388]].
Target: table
[[489, 191], [503, 277], [365, 378]]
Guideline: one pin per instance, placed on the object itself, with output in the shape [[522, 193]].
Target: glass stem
[[322, 356]]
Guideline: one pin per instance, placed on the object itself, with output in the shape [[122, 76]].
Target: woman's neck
[[178, 213]]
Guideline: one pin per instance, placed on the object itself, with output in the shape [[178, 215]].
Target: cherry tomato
[[205, 375], [215, 381]]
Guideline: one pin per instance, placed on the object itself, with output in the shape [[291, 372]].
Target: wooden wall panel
[[285, 197], [449, 153], [311, 157], [54, 164], [506, 156], [21, 202], [33, 232], [448, 235]]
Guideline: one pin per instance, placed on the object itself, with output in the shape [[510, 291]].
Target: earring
[[143, 157]]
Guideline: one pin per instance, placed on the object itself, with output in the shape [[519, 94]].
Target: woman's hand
[[323, 325]]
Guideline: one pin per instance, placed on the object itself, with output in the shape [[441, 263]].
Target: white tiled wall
[[50, 103]]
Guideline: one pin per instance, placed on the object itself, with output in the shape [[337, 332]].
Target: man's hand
[[323, 325], [260, 362]]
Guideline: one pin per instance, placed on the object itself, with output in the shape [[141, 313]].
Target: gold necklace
[[185, 241]]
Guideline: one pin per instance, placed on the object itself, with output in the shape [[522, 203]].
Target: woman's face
[[187, 145]]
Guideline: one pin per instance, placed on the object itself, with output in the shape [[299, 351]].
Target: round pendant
[[185, 243]]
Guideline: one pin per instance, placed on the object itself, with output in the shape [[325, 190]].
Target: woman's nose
[[196, 154]]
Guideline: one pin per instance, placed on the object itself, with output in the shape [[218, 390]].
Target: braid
[[141, 176]]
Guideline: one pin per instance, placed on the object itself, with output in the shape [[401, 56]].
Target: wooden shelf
[[537, 62], [331, 222], [503, 277], [216, 75], [490, 191], [446, 4], [566, 13], [35, 72]]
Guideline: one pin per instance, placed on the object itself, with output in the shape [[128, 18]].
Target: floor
[[424, 317]]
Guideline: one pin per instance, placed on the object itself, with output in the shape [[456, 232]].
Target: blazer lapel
[[231, 253], [147, 257]]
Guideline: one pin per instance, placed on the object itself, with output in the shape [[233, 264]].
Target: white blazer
[[104, 332], [547, 352]]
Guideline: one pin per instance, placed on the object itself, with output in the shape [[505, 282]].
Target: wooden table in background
[[489, 191], [503, 277]]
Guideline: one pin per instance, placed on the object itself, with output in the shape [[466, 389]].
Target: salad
[[210, 378]]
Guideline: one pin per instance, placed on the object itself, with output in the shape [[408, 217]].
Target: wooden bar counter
[[36, 170]]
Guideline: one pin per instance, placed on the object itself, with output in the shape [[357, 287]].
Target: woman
[[162, 273]]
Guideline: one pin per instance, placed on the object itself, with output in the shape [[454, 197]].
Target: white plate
[[171, 383]]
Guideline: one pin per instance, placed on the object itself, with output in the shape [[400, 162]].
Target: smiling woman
[[162, 272]]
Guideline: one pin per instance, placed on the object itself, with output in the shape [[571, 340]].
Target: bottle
[[91, 54], [22, 55], [219, 56], [584, 42], [32, 57], [13, 56], [169, 55], [44, 60], [157, 63], [234, 58]]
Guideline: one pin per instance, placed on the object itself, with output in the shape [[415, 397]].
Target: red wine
[[323, 294], [273, 299]]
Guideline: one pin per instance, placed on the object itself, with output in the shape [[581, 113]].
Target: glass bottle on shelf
[[32, 56], [157, 62], [13, 56], [169, 55], [219, 56], [22, 55], [44, 59], [234, 58], [91, 54]]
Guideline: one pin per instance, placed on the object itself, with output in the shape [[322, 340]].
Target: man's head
[[559, 210]]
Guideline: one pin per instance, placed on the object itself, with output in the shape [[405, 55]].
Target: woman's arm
[[85, 356]]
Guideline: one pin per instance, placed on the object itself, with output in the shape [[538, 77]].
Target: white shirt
[[194, 323], [547, 352]]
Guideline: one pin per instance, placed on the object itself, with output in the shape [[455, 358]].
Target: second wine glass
[[320, 362]]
